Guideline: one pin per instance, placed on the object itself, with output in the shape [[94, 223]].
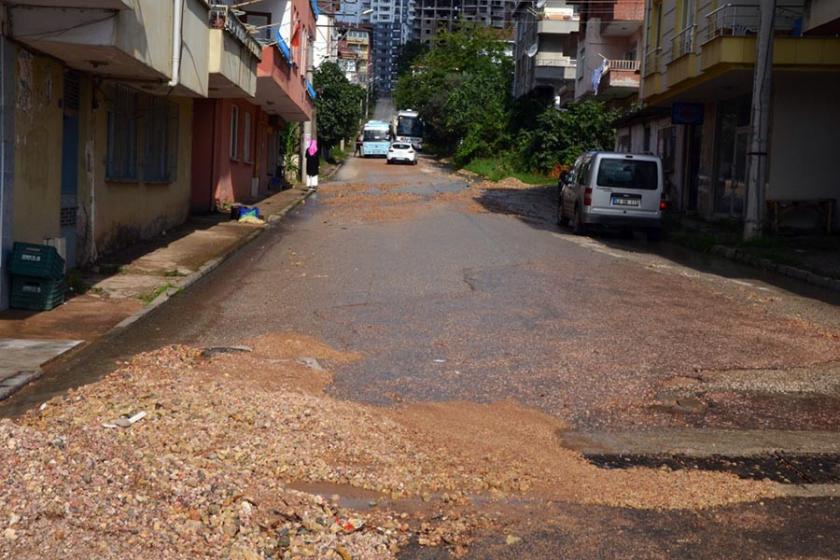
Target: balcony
[[742, 20], [558, 26], [281, 89], [129, 40], [622, 76], [719, 51], [233, 56], [620, 79], [554, 67]]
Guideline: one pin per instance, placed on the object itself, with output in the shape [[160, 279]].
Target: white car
[[402, 152]]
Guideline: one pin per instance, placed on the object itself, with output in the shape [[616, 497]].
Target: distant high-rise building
[[391, 22], [432, 16]]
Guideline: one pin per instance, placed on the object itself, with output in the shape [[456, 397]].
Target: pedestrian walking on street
[[313, 162], [358, 151]]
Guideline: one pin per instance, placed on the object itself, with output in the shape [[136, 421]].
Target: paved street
[[452, 291]]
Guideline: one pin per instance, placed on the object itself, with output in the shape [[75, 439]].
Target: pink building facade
[[237, 147]]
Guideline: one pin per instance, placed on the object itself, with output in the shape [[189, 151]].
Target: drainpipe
[[177, 37]]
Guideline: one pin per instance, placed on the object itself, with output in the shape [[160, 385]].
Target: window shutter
[[172, 122]]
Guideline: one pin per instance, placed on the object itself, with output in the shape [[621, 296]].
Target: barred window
[[160, 134], [122, 136]]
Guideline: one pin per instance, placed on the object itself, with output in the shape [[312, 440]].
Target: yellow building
[[103, 119], [698, 70]]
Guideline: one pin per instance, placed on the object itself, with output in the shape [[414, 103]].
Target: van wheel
[[654, 234], [578, 227]]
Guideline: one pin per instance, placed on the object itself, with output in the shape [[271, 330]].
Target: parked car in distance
[[402, 152], [613, 190]]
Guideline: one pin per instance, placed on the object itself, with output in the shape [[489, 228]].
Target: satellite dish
[[532, 50], [540, 4]]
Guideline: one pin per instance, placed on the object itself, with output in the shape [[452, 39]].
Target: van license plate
[[620, 201]]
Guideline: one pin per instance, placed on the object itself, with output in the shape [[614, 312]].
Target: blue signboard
[[687, 113]]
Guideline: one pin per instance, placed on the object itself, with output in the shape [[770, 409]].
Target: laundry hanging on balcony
[[597, 74]]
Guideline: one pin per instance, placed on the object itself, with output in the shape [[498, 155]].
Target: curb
[[800, 274], [13, 384]]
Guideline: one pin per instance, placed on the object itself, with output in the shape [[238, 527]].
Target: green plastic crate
[[36, 261], [36, 294]]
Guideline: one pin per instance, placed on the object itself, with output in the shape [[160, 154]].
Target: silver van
[[612, 190]]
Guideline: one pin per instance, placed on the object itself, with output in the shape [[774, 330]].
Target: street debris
[[311, 363], [209, 471], [125, 421]]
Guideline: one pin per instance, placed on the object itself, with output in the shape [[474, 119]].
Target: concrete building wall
[[823, 13], [128, 211], [233, 60], [805, 137], [194, 47], [38, 131], [146, 33]]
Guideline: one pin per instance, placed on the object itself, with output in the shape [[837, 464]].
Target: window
[[122, 136], [234, 132], [246, 139], [628, 174], [160, 140]]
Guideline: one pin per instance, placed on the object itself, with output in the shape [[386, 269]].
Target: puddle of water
[[778, 467], [350, 497]]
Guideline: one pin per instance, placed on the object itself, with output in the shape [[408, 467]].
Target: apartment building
[[432, 16], [608, 57], [390, 23], [698, 70], [545, 49], [354, 55], [120, 116]]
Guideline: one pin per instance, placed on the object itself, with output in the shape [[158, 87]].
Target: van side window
[[583, 177]]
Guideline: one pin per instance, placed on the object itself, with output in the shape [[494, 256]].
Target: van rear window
[[628, 174]]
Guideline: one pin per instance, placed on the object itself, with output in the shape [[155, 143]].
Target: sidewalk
[[814, 259], [123, 288]]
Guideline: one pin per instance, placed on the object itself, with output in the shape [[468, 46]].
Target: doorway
[[70, 167]]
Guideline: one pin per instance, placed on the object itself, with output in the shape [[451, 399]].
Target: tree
[[561, 136], [339, 104], [461, 88], [410, 53]]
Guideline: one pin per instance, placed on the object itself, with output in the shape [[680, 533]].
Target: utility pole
[[760, 122]]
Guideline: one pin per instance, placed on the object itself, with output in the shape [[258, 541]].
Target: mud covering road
[[459, 339]]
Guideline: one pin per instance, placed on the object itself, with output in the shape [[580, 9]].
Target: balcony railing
[[742, 20], [627, 65], [652, 60], [559, 61], [221, 17], [683, 42]]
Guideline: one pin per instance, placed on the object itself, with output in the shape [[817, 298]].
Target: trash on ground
[[310, 363], [125, 422]]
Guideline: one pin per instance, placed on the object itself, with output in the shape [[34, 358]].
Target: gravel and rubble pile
[[205, 472], [181, 455]]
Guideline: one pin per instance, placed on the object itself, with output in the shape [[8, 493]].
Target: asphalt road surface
[[454, 297]]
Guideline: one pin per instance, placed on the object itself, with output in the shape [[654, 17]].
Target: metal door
[[70, 166]]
